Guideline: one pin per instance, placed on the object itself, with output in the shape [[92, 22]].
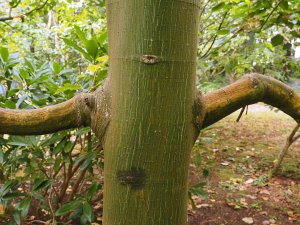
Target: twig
[[38, 221], [241, 113], [50, 204], [22, 16], [14, 28], [77, 183], [219, 28], [98, 198], [264, 23], [290, 140], [205, 27], [17, 3], [56, 173], [66, 182], [68, 175], [204, 7], [230, 38]]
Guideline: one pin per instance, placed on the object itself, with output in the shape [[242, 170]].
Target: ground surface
[[239, 157]]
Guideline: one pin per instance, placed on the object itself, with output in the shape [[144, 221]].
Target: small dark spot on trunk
[[134, 177], [86, 101]]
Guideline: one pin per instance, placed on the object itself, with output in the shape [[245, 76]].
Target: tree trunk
[[152, 61]]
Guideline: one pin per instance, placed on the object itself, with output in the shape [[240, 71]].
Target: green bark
[[152, 59]]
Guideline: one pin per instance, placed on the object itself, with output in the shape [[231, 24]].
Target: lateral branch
[[250, 89], [69, 114]]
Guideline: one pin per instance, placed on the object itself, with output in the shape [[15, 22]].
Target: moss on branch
[[250, 89], [69, 114]]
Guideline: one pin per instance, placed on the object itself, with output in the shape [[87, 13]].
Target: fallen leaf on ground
[[248, 220], [266, 222], [204, 206], [20, 173], [264, 191], [225, 163], [249, 181]]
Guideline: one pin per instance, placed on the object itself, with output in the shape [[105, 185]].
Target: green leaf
[[88, 162], [24, 207], [57, 137], [83, 131], [92, 48], [197, 159], [277, 40], [199, 185], [67, 208], [223, 32], [21, 100], [23, 140], [29, 65], [12, 92], [80, 34], [218, 7], [56, 68], [17, 218], [12, 195], [93, 190], [198, 190], [4, 54], [24, 74], [1, 153], [68, 87], [87, 211], [38, 196], [75, 46], [295, 33], [205, 173], [284, 5], [58, 148], [68, 147], [10, 104], [8, 186], [40, 184]]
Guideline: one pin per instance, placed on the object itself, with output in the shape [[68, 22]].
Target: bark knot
[[150, 59], [255, 82], [86, 105]]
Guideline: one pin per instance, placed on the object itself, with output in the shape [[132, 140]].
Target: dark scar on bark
[[134, 177]]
